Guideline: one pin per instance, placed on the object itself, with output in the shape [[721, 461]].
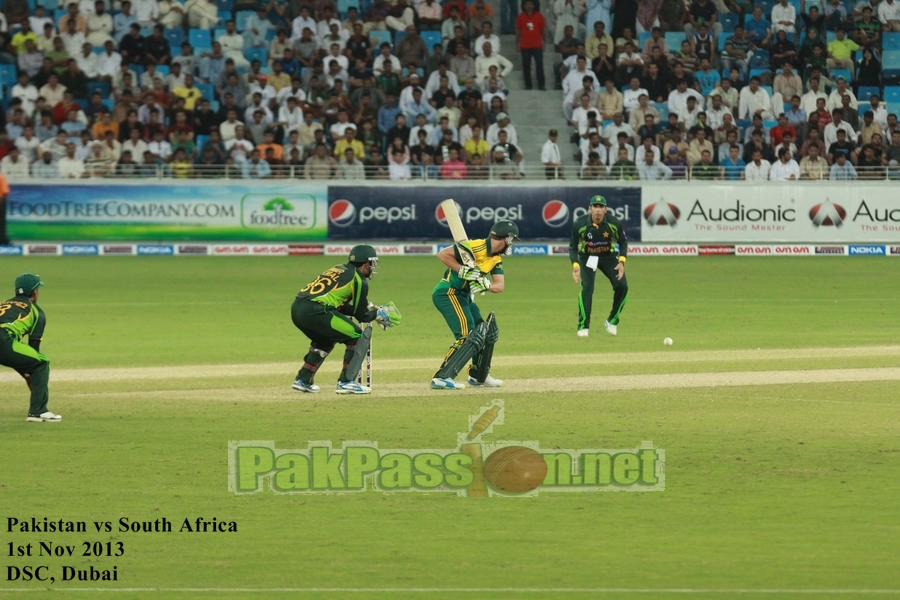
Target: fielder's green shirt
[[343, 288], [20, 317], [591, 239]]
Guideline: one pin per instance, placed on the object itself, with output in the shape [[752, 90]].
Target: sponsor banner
[[263, 212], [807, 213], [11, 251], [305, 249], [529, 250], [781, 250], [423, 249], [413, 213], [193, 249], [80, 249], [343, 250], [661, 250], [43, 249], [564, 249], [155, 250], [895, 251], [126, 249], [715, 250], [832, 250], [867, 250], [269, 250]]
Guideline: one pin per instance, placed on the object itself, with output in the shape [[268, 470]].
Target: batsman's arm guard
[[359, 354], [483, 367], [462, 352]]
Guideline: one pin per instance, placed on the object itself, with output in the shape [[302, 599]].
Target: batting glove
[[481, 285], [469, 273]]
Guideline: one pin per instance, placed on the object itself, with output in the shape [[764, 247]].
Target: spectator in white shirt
[[755, 101], [489, 58], [574, 79], [27, 144], [26, 92], [784, 18], [758, 168], [612, 130], [678, 97], [14, 166], [71, 167], [487, 35], [146, 12], [551, 157], [109, 62], [652, 169], [888, 15], [785, 168], [834, 99], [647, 149], [829, 136]]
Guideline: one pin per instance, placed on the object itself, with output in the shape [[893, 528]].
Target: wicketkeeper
[[323, 310], [21, 316], [454, 298], [598, 243]]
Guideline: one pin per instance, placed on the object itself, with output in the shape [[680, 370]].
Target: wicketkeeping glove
[[469, 273], [481, 285], [387, 315]]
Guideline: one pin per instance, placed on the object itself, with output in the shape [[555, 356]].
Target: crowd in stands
[[138, 88], [730, 90]]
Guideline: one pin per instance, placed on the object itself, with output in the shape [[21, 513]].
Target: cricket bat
[[460, 238]]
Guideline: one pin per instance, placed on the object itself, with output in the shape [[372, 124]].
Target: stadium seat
[[890, 41], [758, 72], [892, 97], [890, 63], [830, 36], [163, 70], [721, 43], [380, 37], [643, 37], [344, 5], [728, 22], [58, 14], [845, 73], [82, 102], [867, 91], [431, 38], [146, 31], [398, 35], [97, 49], [240, 21], [201, 140], [208, 90], [768, 89], [48, 4], [766, 6], [260, 54], [200, 38], [218, 32], [674, 39], [175, 36], [663, 109], [214, 105], [225, 15], [225, 4], [8, 75], [98, 86]]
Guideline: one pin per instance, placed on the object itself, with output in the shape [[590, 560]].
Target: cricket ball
[[515, 469], [667, 341]]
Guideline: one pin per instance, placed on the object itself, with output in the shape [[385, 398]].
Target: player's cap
[[598, 200], [27, 283], [505, 229]]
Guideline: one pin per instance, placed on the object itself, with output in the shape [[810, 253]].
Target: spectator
[[430, 15], [785, 168], [784, 18], [503, 167], [867, 31], [70, 167], [733, 165], [182, 167], [676, 163], [123, 21], [623, 168], [758, 168], [489, 59], [530, 27], [813, 166], [46, 167], [889, 15], [737, 51], [841, 170], [653, 169], [551, 157], [172, 14], [320, 165], [704, 169], [399, 165], [755, 101], [869, 165], [256, 167], [594, 167], [98, 164], [759, 30]]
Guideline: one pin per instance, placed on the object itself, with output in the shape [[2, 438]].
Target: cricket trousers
[[325, 327], [536, 54], [27, 361], [461, 314], [607, 266]]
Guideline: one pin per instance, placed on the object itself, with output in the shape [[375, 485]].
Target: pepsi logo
[[662, 213], [441, 217], [341, 213], [555, 213], [827, 214]]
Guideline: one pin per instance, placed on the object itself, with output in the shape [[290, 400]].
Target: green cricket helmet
[[362, 254], [508, 231]]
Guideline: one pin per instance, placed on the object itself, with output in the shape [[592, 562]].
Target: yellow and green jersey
[[341, 287], [20, 316], [487, 263]]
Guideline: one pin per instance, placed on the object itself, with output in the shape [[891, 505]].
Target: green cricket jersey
[[341, 287], [20, 317], [487, 263], [589, 239]]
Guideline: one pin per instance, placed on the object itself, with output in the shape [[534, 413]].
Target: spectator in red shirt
[[453, 168], [779, 130], [530, 27], [460, 5]]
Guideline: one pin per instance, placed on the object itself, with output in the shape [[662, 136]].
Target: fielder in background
[[21, 316], [323, 310], [598, 242], [454, 298]]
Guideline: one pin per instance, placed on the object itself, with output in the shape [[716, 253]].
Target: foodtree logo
[[341, 213], [662, 213], [262, 210], [474, 468], [827, 214], [555, 213]]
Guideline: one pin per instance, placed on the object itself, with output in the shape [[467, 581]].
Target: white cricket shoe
[[47, 417], [488, 382], [583, 333], [611, 329], [446, 384], [351, 387], [302, 386]]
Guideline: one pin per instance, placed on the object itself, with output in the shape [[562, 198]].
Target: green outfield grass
[[771, 488]]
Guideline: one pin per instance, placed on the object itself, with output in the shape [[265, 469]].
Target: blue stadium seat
[[98, 86], [867, 91], [138, 69], [835, 73], [768, 89], [201, 140], [398, 35], [766, 6], [431, 38], [58, 14], [218, 32], [225, 4], [890, 63], [344, 5], [208, 90], [380, 37], [48, 4], [31, 5], [643, 37], [663, 109], [225, 15], [214, 105], [82, 102], [728, 22], [892, 97], [97, 49], [175, 36], [8, 75], [674, 39], [757, 72], [890, 41], [240, 21], [260, 54], [163, 70], [200, 38], [830, 36], [721, 43]]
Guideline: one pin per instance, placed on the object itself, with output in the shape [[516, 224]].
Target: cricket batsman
[[323, 310], [21, 316], [599, 242], [454, 298]]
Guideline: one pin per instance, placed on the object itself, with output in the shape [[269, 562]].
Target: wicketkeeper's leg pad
[[462, 352], [313, 360], [355, 355]]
